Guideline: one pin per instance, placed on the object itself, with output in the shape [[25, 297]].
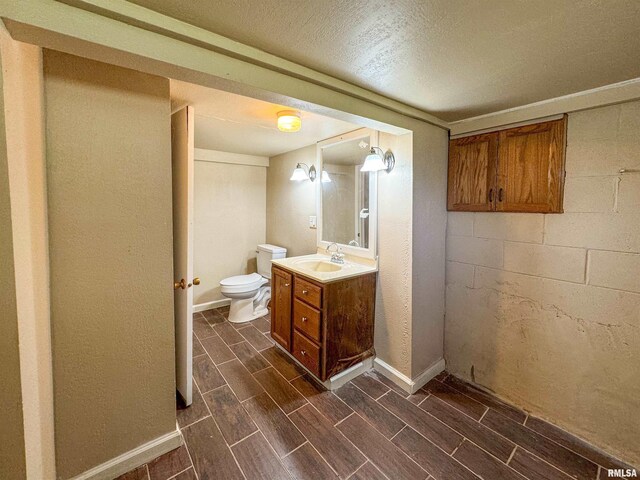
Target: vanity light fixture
[[301, 174], [289, 121], [325, 178], [378, 160]]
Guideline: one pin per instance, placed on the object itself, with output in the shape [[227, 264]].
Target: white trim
[[349, 374], [338, 379], [204, 155], [505, 127], [201, 307], [597, 97], [404, 382], [133, 458], [23, 86]]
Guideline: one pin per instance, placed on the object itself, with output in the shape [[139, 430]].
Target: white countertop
[[306, 265]]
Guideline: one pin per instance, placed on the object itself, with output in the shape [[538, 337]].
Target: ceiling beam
[[116, 23]]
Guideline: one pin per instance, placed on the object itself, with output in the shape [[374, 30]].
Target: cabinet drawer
[[307, 353], [307, 319], [307, 291]]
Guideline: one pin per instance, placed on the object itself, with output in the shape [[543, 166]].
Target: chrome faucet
[[336, 256]]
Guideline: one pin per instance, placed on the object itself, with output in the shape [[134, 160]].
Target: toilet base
[[246, 309]]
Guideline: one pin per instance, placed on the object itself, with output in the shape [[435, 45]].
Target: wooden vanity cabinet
[[519, 169], [326, 327], [281, 295]]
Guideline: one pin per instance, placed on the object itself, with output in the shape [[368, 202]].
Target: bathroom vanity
[[324, 319], [323, 305]]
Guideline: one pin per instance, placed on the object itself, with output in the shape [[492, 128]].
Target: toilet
[[250, 294]]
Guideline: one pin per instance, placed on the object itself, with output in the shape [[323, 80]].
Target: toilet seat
[[242, 283]]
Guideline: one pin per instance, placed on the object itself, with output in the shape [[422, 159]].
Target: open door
[[182, 153]]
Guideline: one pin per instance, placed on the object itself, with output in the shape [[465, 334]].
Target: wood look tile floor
[[257, 415]]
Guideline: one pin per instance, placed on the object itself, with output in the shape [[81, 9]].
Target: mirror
[[346, 194]]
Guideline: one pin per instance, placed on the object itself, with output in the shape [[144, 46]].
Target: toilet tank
[[266, 253]]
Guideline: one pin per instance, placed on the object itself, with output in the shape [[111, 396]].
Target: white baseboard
[[339, 379], [404, 382], [133, 458], [349, 374], [201, 307]]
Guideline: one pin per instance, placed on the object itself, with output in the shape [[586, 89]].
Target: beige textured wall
[[393, 328], [430, 157], [110, 227], [545, 309], [12, 453], [289, 204], [229, 223]]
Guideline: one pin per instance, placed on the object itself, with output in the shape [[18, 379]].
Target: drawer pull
[[304, 292], [304, 319], [286, 284], [303, 352]]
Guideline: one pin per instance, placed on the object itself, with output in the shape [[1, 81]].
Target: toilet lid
[[239, 280]]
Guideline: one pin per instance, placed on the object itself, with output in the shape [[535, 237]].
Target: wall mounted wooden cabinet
[[327, 327], [515, 170]]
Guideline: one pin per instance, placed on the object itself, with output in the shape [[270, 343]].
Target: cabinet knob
[[304, 319], [286, 284], [304, 292], [500, 195], [303, 352]]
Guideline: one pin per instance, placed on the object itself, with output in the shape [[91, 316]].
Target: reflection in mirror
[[345, 193]]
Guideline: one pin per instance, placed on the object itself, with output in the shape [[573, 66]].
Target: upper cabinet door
[[531, 168], [472, 173]]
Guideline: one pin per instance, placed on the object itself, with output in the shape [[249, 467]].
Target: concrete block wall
[[544, 310]]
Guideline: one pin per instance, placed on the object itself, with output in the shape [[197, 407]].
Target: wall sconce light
[[325, 178], [289, 121], [378, 160], [301, 174]]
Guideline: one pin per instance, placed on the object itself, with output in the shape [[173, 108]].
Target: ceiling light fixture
[[289, 121], [378, 160], [301, 174]]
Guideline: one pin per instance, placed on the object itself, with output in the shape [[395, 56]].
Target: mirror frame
[[371, 251]]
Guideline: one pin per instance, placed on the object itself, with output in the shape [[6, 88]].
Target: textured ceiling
[[233, 123], [453, 58]]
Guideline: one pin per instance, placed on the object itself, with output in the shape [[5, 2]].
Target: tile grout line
[[193, 423], [477, 401], [297, 448], [399, 431], [180, 472], [587, 445], [313, 446], [340, 421], [218, 427], [536, 455], [484, 413], [184, 441], [230, 445], [399, 449]]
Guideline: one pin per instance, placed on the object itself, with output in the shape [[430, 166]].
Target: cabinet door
[[472, 173], [531, 168], [281, 290]]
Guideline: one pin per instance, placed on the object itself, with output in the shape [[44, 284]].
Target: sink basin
[[319, 266]]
